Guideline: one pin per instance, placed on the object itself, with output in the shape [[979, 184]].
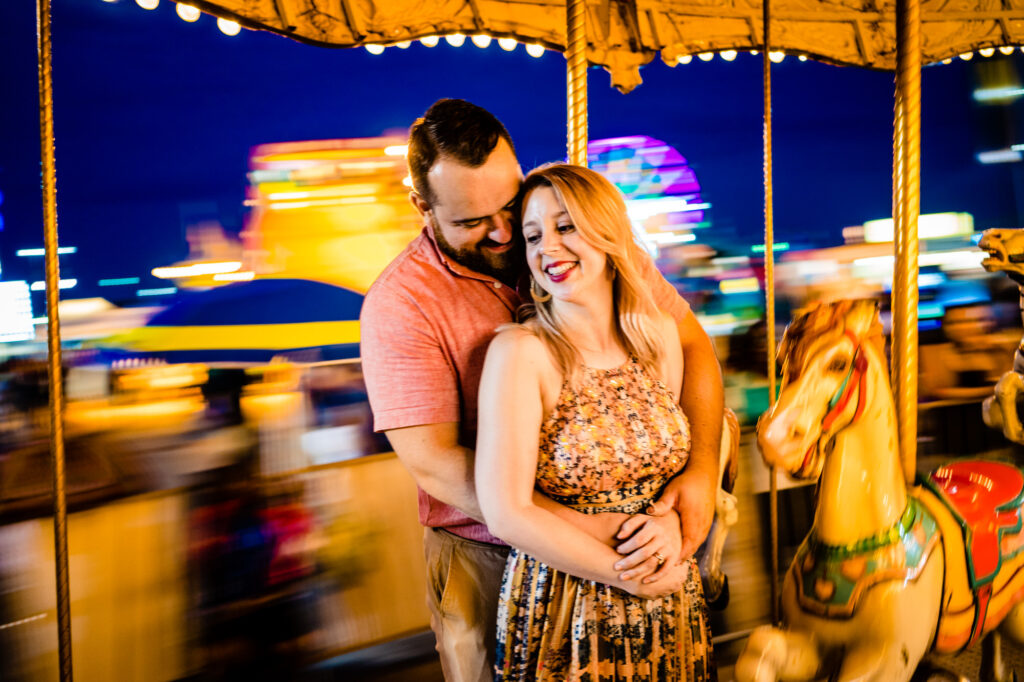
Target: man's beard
[[504, 267]]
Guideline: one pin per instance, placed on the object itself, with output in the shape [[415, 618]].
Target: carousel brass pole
[[60, 530], [906, 204], [576, 79], [769, 293]]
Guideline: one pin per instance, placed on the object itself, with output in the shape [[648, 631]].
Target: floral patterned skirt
[[555, 627]]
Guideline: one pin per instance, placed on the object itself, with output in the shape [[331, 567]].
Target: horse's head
[[825, 354], [1005, 251]]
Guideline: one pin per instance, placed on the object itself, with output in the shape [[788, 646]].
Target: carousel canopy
[[622, 36]]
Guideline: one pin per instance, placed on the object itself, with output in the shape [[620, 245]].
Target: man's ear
[[419, 203]]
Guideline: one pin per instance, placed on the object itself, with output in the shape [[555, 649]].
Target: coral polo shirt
[[425, 326]]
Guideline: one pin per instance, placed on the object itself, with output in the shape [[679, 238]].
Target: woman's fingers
[[640, 564], [640, 539], [630, 525]]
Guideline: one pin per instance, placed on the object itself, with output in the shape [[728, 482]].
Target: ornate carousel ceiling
[[624, 35]]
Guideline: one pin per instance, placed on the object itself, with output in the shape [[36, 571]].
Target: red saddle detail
[[986, 498]]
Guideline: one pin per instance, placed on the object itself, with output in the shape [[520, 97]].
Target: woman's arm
[[509, 420]]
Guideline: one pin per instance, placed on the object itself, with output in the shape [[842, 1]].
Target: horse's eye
[[837, 365]]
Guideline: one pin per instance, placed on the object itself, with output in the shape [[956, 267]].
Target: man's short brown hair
[[454, 128]]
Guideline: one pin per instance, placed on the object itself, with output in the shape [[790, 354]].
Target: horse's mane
[[822, 323]]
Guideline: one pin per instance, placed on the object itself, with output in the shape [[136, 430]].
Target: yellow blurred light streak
[[947, 260], [706, 56], [430, 41], [228, 27], [360, 190], [241, 337], [987, 51], [235, 276], [375, 49], [147, 4], [684, 59], [507, 44], [455, 39], [535, 50], [742, 285], [187, 12], [196, 269], [396, 150], [340, 201], [776, 57], [728, 55], [481, 41]]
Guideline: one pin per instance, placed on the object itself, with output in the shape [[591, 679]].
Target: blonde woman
[[594, 369]]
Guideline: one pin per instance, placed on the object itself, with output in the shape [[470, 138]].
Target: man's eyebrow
[[511, 204]]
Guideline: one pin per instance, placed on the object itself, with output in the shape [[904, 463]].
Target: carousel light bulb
[[1006, 49], [706, 56], [802, 58], [186, 12], [947, 61], [481, 41], [228, 27], [987, 51], [776, 57], [455, 39], [728, 55], [404, 45], [754, 52], [375, 49], [507, 44], [148, 4], [430, 41], [535, 50], [684, 59], [967, 56]]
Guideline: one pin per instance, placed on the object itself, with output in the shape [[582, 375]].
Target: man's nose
[[502, 227]]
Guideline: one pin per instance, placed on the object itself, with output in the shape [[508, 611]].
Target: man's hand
[[692, 494], [649, 536]]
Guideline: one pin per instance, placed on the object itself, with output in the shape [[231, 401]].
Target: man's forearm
[[702, 401], [454, 486]]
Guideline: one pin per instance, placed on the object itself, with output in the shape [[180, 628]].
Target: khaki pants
[[463, 581]]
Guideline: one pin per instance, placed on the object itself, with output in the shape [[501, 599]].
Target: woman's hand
[[671, 580], [652, 544]]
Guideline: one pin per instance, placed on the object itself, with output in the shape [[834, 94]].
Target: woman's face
[[560, 260]]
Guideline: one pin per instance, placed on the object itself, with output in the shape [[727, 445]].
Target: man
[[425, 326]]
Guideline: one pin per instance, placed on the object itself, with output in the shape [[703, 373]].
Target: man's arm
[[445, 471], [440, 466], [692, 493]]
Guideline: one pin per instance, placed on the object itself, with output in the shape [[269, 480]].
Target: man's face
[[473, 214]]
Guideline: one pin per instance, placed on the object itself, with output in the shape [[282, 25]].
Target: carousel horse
[[886, 574], [709, 556], [1006, 254]]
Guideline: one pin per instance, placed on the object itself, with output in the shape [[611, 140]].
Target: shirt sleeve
[[665, 295], [409, 378]]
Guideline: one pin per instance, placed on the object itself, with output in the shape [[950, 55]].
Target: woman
[[596, 370]]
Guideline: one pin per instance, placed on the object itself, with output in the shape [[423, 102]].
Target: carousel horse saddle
[[985, 497], [977, 505]]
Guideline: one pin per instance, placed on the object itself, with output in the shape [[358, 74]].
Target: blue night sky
[[155, 117]]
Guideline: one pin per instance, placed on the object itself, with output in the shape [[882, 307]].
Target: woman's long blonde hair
[[598, 212]]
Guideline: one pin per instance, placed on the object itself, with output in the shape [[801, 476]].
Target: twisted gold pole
[[576, 79], [769, 293], [907, 204], [60, 516]]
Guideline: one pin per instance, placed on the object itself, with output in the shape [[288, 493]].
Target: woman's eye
[[565, 228], [532, 238]]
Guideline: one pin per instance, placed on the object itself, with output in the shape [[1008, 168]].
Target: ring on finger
[[659, 557]]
